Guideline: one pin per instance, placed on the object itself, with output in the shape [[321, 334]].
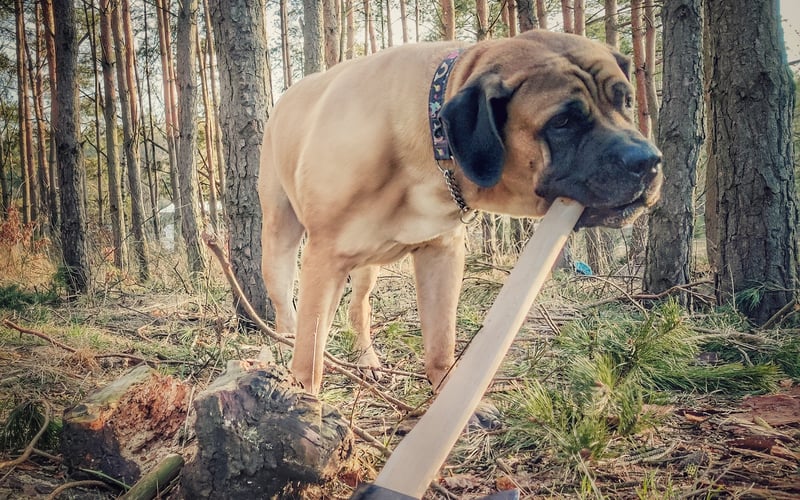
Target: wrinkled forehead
[[592, 75]]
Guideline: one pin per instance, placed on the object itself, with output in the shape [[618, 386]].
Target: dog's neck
[[441, 145]]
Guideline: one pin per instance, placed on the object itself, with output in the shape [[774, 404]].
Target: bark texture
[[680, 137], [750, 102], [243, 112], [258, 433], [128, 426], [313, 44], [70, 157], [186, 73]]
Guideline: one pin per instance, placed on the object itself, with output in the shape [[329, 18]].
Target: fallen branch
[[71, 349], [331, 361], [633, 298], [783, 312], [10, 324], [32, 445]]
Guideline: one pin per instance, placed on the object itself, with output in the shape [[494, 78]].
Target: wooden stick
[[154, 482], [417, 458]]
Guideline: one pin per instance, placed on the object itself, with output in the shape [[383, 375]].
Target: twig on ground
[[29, 449], [783, 312], [75, 484], [14, 326], [634, 298], [56, 343], [370, 440]]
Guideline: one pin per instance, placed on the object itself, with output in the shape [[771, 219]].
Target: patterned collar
[[441, 145]]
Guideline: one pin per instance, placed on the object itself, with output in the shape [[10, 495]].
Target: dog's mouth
[[613, 217]]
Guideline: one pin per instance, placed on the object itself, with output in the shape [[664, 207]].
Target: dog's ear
[[624, 63], [473, 121]]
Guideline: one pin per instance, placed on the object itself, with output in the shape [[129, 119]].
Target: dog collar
[[441, 145]]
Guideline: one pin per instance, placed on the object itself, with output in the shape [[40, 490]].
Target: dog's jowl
[[389, 154]]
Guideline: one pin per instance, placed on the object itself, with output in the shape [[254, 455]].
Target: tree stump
[[126, 427], [258, 433]]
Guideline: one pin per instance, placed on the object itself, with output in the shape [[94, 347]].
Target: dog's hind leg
[[362, 281], [280, 240], [439, 270]]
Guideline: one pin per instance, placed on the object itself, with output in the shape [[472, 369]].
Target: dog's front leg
[[362, 281], [322, 279], [439, 270]]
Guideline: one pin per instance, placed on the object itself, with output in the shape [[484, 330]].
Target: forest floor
[[717, 418]]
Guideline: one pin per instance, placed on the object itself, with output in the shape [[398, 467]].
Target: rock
[[258, 433], [126, 427]]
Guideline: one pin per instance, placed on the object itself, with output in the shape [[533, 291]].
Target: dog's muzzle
[[616, 177]]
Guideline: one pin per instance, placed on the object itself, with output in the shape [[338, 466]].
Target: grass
[[23, 422], [608, 366]]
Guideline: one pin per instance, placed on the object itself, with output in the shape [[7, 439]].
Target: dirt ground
[[701, 446]]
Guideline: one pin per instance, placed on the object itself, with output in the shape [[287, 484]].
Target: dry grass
[[609, 434]]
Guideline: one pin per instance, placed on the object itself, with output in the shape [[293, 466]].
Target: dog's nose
[[641, 160]]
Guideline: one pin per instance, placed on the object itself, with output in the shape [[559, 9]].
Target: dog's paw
[[369, 365]]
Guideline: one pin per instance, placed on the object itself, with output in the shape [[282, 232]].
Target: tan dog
[[348, 160]]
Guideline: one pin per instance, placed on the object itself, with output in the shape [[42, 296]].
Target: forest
[[661, 359]]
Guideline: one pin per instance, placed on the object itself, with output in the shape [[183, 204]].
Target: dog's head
[[555, 110]]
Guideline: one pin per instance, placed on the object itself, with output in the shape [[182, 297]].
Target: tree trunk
[[35, 74], [448, 19], [150, 152], [369, 29], [511, 10], [285, 49], [186, 74], [526, 15], [650, 61], [351, 30], [387, 15], [541, 14], [91, 22], [331, 27], [116, 207], [50, 51], [610, 21], [126, 82], [416, 21], [567, 15], [170, 112], [680, 137], [67, 133], [637, 34], [482, 18], [637, 248], [244, 109], [212, 71], [313, 46], [403, 20], [751, 95], [29, 189], [579, 27], [208, 130]]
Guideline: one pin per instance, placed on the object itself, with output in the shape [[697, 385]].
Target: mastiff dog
[[391, 154]]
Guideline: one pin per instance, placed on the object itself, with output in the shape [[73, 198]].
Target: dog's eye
[[573, 116], [562, 120]]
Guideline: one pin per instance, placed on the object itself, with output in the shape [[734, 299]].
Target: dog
[[389, 154]]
